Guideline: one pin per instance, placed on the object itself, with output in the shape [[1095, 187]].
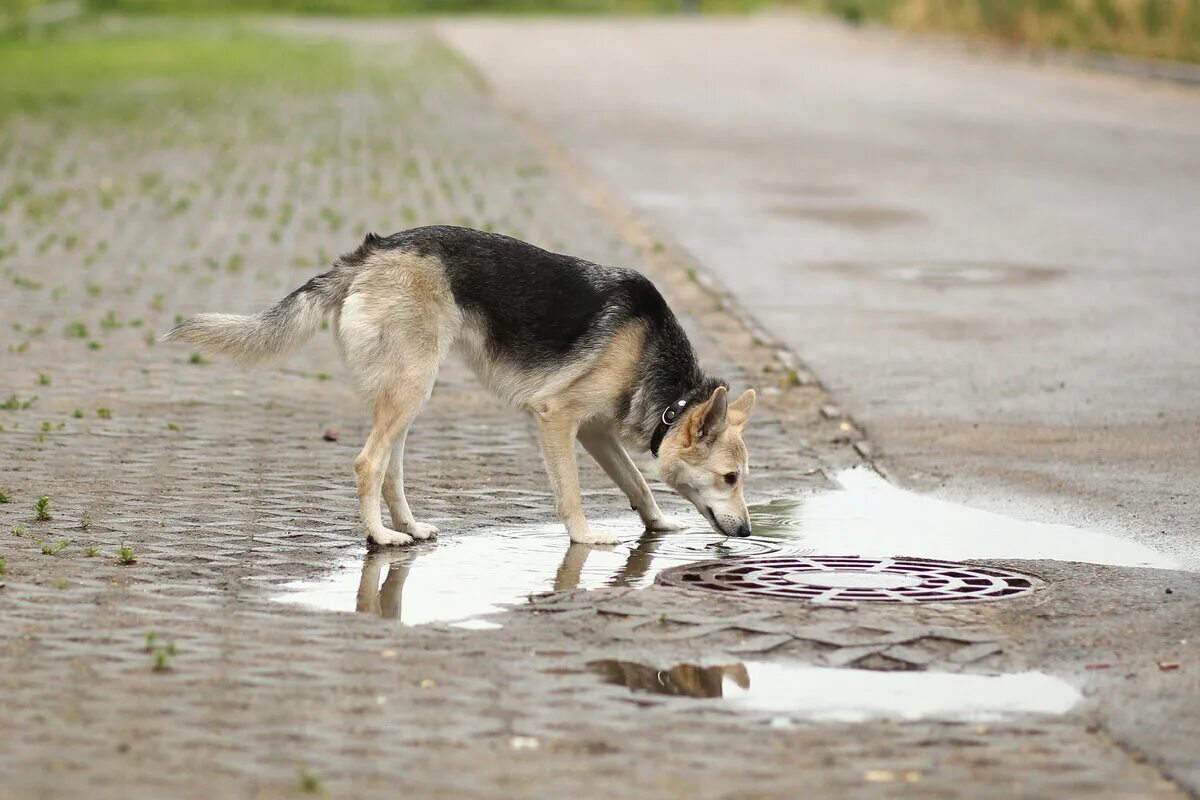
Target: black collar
[[670, 415]]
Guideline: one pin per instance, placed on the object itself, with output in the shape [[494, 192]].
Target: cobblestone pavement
[[219, 484]]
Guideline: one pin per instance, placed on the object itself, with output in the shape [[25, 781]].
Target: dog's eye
[[731, 478]]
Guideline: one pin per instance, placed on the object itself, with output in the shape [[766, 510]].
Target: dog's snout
[[743, 529]]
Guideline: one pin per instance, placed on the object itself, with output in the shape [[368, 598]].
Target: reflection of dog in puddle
[[681, 680], [384, 599]]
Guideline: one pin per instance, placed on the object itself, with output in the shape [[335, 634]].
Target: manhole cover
[[851, 579]]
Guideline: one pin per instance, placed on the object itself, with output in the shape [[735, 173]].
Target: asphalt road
[[994, 265]]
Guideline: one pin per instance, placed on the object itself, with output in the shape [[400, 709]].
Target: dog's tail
[[280, 329]]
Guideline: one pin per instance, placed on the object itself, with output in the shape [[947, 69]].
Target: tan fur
[[584, 408], [395, 327], [707, 446]]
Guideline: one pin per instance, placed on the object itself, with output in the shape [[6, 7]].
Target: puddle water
[[849, 695], [873, 518], [457, 579], [949, 274]]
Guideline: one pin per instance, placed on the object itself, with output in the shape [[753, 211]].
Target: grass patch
[[405, 7], [14, 403], [160, 654], [122, 77], [52, 549]]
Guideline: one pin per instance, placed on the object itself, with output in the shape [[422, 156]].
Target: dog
[[592, 352]]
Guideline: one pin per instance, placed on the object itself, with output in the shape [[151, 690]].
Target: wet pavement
[[183, 642]]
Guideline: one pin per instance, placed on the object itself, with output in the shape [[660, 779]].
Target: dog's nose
[[743, 529]]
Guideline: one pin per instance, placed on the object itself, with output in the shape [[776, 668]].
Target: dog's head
[[705, 460]]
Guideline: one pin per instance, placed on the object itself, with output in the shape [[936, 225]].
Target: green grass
[[125, 77], [380, 7], [309, 782]]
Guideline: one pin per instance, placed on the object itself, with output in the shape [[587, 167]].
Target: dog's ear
[[708, 420], [739, 410]]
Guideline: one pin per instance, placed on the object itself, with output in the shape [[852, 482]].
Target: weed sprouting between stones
[[56, 548], [160, 654], [309, 782], [42, 508], [126, 555], [14, 403]]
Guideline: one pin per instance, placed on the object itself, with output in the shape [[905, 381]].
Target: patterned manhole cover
[[852, 579]]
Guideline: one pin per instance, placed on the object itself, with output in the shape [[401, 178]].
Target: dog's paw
[[389, 538], [593, 537], [664, 524], [420, 530]]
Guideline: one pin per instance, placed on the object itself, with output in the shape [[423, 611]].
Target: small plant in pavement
[[42, 507], [160, 654], [126, 555], [52, 549], [309, 782]]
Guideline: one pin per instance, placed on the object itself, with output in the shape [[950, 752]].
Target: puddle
[[947, 274], [457, 579], [867, 217], [873, 518], [849, 695]]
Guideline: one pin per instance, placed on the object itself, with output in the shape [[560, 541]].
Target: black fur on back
[[541, 309]]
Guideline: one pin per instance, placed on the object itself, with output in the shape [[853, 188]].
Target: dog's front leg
[[606, 449], [557, 432]]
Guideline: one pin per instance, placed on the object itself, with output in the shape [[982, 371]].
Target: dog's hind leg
[[396, 375], [603, 445], [393, 495], [557, 433], [395, 409]]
